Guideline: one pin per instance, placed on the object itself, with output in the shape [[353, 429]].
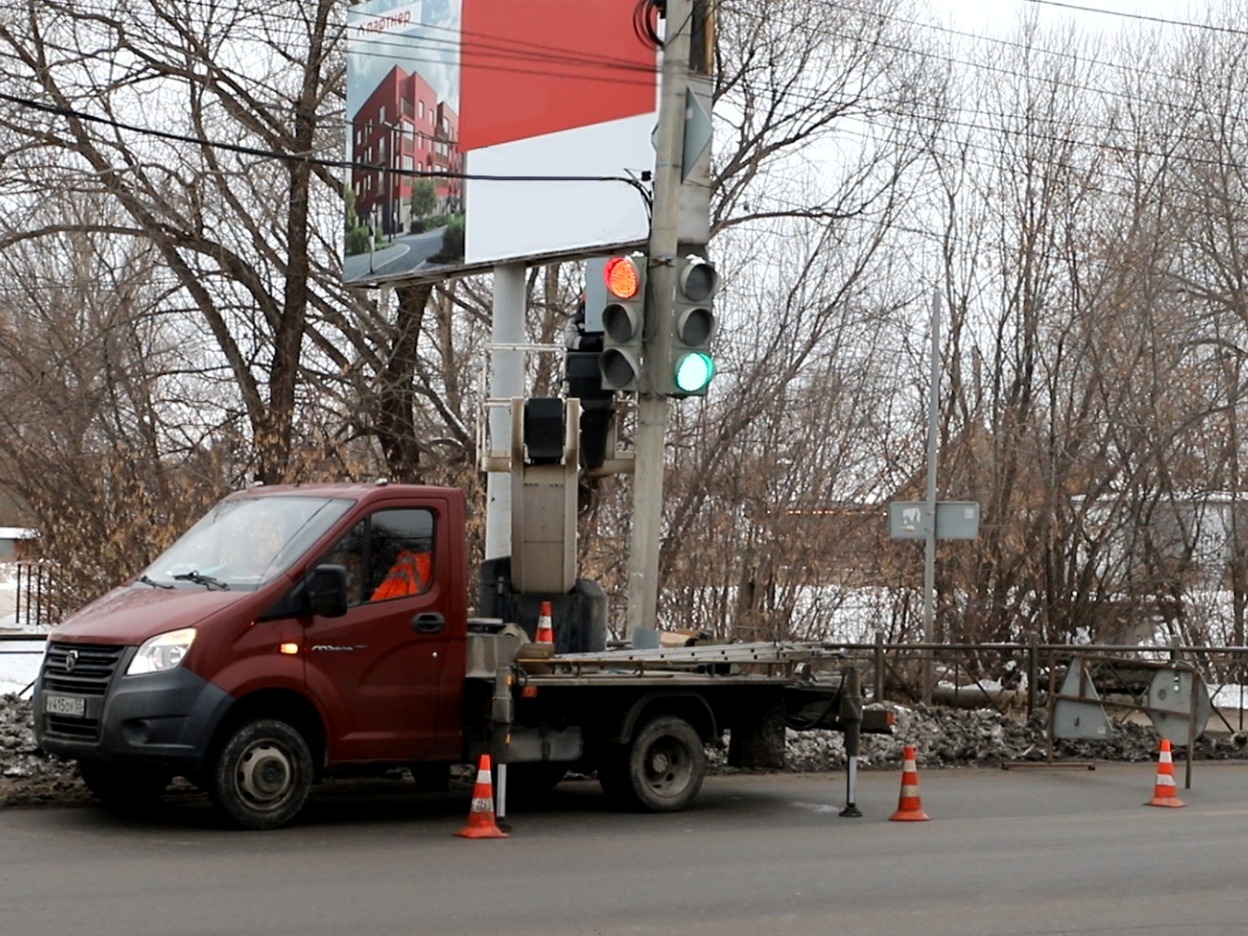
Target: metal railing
[[1016, 676], [34, 605]]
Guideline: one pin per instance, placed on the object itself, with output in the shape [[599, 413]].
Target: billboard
[[488, 131]]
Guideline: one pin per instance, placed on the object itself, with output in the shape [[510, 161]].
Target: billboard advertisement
[[489, 131]]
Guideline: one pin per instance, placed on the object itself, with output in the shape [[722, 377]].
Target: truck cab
[[292, 631]]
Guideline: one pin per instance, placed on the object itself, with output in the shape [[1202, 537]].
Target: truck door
[[378, 670]]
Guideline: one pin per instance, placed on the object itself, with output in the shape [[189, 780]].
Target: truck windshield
[[246, 543]]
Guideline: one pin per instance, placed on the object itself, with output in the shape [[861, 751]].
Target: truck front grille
[[80, 669]]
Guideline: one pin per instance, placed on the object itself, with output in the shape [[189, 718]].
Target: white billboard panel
[[517, 220]]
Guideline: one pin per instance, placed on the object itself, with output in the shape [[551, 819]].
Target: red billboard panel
[[533, 68]]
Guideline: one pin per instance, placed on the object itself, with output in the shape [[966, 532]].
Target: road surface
[[1018, 852]]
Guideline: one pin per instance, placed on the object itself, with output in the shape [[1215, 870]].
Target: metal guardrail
[[970, 673]]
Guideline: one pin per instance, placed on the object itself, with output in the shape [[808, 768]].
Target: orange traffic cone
[[545, 631], [481, 821], [909, 806], [1164, 791]]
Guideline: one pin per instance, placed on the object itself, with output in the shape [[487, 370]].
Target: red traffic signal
[[623, 277], [623, 323]]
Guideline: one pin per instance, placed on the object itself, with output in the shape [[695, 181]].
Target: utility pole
[[506, 383], [643, 555], [933, 454]]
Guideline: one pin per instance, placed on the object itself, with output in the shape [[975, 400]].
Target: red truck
[[270, 647]]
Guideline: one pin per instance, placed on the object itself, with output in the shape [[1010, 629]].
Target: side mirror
[[327, 590]]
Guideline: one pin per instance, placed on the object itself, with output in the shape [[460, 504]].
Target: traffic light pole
[[641, 623]]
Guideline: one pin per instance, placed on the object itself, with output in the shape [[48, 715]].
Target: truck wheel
[[123, 788], [263, 774], [662, 770]]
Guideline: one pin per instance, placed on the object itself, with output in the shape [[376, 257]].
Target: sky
[[1001, 16]]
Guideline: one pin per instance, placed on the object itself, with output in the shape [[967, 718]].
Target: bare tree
[[242, 103], [101, 439]]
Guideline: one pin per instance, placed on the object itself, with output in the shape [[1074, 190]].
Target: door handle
[[428, 623]]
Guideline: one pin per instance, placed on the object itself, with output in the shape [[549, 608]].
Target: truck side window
[[400, 553], [350, 553]]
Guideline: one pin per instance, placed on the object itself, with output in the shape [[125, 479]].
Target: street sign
[[957, 520], [595, 292], [697, 135]]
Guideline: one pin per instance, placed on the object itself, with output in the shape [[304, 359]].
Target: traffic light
[[623, 322], [689, 366]]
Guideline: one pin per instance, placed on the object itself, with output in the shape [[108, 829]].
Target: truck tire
[[660, 771], [263, 774], [123, 788]]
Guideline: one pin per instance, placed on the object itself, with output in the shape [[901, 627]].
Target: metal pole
[[1192, 729], [929, 558], [879, 667], [851, 718], [506, 382], [500, 736], [1033, 670], [644, 542]]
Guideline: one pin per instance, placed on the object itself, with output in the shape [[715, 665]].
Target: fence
[[34, 606]]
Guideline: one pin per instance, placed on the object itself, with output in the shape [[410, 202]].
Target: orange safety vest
[[408, 576]]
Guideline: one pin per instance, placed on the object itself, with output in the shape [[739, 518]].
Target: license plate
[[71, 706]]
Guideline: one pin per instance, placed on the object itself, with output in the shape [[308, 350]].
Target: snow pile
[[27, 775], [982, 738]]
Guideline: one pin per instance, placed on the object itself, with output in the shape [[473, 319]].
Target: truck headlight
[[162, 652]]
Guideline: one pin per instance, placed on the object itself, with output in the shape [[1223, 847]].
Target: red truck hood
[[133, 613]]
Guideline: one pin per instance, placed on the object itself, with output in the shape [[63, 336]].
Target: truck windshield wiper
[[206, 580], [147, 580]]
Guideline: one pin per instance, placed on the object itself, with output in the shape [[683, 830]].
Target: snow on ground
[[19, 664]]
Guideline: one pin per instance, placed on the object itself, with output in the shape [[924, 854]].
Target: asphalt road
[[1018, 852]]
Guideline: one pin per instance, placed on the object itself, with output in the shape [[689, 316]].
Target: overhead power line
[[1123, 14], [263, 153]]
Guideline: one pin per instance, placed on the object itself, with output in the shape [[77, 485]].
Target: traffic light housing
[[623, 322], [597, 405], [689, 367]]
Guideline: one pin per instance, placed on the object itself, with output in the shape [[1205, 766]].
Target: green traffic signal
[[694, 372]]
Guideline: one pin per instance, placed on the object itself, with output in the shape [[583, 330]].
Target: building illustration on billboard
[[403, 127], [481, 132], [405, 207]]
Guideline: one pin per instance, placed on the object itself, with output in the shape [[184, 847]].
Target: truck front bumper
[[162, 719]]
